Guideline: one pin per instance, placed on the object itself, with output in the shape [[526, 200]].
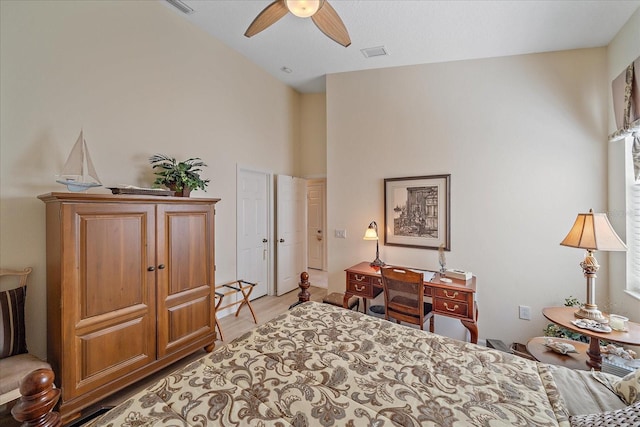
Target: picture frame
[[417, 212]]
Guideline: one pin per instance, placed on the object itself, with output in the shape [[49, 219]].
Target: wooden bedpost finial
[[304, 295], [38, 399]]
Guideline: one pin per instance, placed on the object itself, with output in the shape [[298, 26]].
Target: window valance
[[626, 108]]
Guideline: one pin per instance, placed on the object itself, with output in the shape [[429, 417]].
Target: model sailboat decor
[[78, 173]]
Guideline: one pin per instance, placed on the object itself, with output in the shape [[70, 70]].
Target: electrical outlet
[[525, 312], [341, 234]]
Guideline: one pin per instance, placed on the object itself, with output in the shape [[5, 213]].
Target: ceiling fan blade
[[269, 16], [328, 21]]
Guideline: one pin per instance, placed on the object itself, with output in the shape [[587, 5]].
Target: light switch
[[525, 312]]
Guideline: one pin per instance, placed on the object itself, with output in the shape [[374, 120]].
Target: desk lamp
[[372, 234], [592, 231]]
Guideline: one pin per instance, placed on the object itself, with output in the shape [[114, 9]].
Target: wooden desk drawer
[[376, 281], [359, 278], [362, 289], [451, 294], [451, 307]]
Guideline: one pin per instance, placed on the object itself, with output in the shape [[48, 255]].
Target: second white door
[[253, 254], [291, 213]]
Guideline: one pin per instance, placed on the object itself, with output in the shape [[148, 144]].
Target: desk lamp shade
[[593, 232], [371, 233]]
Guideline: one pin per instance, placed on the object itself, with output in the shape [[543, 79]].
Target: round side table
[[543, 354]]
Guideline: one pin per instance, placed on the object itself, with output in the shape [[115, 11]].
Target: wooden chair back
[[404, 297], [18, 277]]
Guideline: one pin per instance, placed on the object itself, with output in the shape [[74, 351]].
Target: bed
[[321, 365]]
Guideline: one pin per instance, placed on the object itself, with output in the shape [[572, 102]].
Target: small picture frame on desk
[[417, 212]]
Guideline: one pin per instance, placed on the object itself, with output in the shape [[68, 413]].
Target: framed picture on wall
[[417, 212]]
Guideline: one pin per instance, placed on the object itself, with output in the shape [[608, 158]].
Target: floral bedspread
[[320, 365]]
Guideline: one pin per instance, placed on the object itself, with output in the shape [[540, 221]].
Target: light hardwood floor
[[266, 308]]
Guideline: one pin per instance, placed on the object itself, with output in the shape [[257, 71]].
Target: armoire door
[[108, 292], [185, 275]]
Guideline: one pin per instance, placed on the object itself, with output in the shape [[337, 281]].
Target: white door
[[253, 246], [315, 223], [291, 212]]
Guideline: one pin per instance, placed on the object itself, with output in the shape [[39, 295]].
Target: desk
[[563, 316], [455, 299]]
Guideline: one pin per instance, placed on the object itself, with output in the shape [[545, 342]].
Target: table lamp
[[593, 232], [372, 234]]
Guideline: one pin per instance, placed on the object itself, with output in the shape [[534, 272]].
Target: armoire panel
[[112, 262], [120, 347], [189, 318], [185, 256]]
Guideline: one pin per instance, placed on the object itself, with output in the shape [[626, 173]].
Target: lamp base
[[591, 313], [377, 263]]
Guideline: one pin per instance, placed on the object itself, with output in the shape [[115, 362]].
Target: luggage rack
[[233, 288]]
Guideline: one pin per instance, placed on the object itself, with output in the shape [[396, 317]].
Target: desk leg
[[472, 326], [595, 358], [473, 330]]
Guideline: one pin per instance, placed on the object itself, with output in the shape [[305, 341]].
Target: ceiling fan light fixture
[[303, 8]]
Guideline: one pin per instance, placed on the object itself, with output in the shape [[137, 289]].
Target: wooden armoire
[[130, 289]]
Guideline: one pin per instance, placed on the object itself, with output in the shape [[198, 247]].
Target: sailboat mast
[[82, 154]]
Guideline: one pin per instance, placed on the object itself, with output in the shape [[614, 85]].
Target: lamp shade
[[372, 232], [593, 231], [303, 8]]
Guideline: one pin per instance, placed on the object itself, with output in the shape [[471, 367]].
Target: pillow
[[628, 388], [629, 416], [12, 330]]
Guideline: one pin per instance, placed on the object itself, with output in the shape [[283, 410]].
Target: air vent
[[180, 6], [370, 52]]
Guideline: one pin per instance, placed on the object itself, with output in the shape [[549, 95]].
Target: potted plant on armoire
[[181, 177]]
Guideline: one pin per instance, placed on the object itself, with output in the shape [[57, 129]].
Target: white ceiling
[[412, 32]]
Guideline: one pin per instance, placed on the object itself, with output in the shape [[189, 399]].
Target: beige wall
[[313, 141], [623, 50], [523, 138], [140, 80]]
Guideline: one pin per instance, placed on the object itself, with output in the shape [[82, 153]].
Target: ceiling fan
[[321, 12]]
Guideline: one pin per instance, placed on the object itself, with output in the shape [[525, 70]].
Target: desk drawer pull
[[380, 282], [446, 294], [359, 289], [455, 307], [360, 278]]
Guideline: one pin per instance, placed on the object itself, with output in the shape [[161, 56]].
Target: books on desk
[[458, 274]]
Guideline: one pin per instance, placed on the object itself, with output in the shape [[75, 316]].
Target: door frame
[[270, 226]]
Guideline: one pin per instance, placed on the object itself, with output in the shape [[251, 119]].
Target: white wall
[[523, 138], [140, 80], [623, 50]]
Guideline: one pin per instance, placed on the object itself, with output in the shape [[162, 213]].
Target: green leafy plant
[[553, 330], [178, 175]]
